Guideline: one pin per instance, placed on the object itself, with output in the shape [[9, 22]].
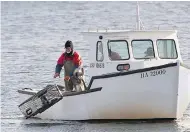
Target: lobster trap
[[41, 101]]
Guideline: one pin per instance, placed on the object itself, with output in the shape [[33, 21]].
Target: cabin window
[[166, 49], [143, 49], [118, 50], [99, 51]]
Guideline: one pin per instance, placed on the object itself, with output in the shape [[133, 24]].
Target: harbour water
[[33, 36]]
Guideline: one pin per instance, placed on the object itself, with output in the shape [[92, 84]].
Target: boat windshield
[[166, 49], [143, 49], [118, 50]]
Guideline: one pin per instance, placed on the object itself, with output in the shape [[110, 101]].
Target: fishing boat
[[136, 74]]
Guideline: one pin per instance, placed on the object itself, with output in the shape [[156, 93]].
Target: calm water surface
[[33, 36]]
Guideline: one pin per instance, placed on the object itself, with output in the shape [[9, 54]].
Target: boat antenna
[[139, 24], [138, 19]]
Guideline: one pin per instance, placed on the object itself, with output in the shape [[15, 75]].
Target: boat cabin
[[115, 51]]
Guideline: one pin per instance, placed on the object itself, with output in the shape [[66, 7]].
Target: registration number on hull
[[153, 73]]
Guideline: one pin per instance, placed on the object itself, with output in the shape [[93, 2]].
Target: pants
[[68, 85], [77, 85]]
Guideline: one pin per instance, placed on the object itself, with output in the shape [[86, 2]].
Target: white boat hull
[[139, 94]]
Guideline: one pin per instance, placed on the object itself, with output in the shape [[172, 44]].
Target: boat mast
[[138, 19]]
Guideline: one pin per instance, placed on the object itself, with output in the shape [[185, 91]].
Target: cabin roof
[[139, 34], [128, 31]]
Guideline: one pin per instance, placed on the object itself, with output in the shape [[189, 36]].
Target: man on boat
[[114, 55], [149, 53], [70, 60]]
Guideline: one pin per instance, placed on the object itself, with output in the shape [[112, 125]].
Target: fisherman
[[71, 61], [149, 53], [114, 55]]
